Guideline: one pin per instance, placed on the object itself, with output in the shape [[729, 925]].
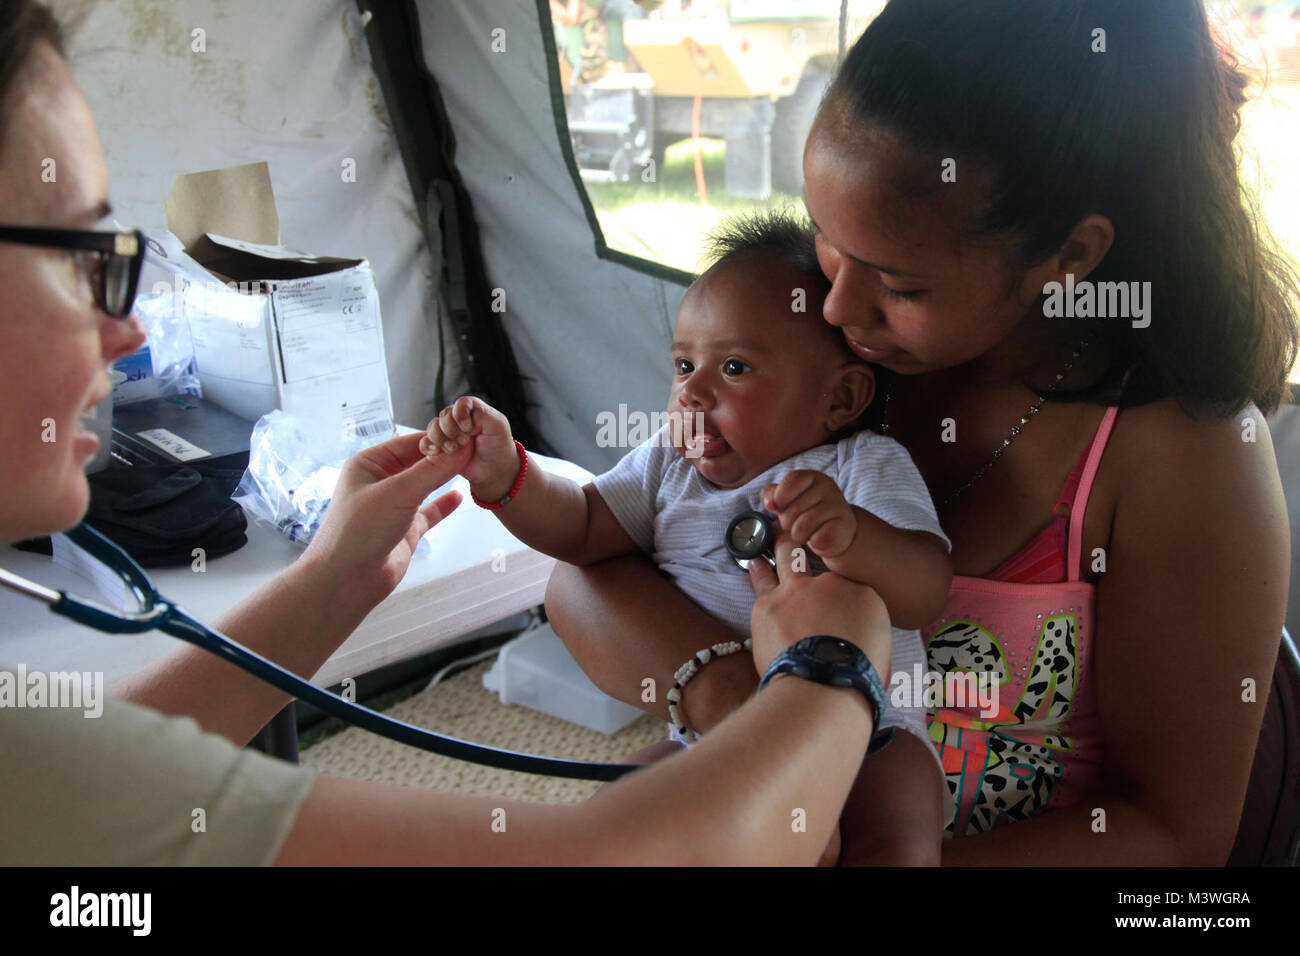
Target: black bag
[[159, 515]]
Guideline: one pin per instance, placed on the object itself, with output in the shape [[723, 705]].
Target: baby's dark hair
[[779, 232], [1123, 108], [783, 235]]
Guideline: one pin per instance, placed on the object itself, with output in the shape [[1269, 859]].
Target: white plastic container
[[535, 670]]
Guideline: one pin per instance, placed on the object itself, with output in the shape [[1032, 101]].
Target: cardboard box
[[272, 327]]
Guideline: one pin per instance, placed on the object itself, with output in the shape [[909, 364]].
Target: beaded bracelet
[[688, 670], [514, 489]]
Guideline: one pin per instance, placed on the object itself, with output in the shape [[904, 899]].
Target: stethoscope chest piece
[[751, 534]]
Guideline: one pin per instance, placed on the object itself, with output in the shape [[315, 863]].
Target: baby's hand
[[813, 511], [494, 463]]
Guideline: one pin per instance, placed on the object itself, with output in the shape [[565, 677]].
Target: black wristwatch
[[837, 663]]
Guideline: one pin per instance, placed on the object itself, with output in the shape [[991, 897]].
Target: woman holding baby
[[1113, 166], [966, 156]]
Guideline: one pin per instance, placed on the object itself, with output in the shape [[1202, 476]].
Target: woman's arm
[[1190, 607], [623, 621], [358, 556], [765, 787]]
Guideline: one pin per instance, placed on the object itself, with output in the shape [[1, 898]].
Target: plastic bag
[[293, 465], [171, 350]]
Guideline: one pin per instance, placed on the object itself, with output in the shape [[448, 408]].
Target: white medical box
[[535, 670]]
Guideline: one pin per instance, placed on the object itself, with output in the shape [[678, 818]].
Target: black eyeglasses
[[120, 260]]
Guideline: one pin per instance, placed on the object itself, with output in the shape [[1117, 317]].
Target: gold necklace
[[1015, 429]]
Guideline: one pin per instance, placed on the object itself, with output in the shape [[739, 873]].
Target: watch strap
[[799, 661]]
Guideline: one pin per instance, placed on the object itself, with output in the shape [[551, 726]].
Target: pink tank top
[[1027, 629]]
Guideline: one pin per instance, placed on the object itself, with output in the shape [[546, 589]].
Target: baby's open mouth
[[705, 445]]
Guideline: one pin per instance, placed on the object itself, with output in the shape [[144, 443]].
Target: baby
[[762, 415]]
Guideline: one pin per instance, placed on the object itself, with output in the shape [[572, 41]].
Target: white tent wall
[[587, 333], [290, 83]]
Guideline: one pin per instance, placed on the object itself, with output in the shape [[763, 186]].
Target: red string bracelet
[[514, 490]]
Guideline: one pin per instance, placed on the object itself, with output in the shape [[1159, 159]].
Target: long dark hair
[[23, 25], [1136, 123]]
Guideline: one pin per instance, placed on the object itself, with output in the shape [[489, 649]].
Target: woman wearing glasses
[[124, 788]]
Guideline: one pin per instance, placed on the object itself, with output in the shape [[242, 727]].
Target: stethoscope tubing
[[157, 613]]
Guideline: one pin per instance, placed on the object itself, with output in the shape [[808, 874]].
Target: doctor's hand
[[792, 605], [375, 519]]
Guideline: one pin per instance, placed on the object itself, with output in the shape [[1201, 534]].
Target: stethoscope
[[752, 535], [157, 613]]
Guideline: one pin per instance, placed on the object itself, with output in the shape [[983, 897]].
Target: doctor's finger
[[441, 506], [387, 458], [422, 476], [783, 551], [761, 577]]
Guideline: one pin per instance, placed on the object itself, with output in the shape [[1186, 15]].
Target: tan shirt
[[126, 788]]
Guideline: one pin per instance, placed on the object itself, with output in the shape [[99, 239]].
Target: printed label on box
[[173, 444]]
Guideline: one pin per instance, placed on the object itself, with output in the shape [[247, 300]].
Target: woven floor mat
[[462, 707]]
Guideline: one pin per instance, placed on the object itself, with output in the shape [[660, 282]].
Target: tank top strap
[[1080, 505]]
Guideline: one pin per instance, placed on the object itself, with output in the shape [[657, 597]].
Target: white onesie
[[680, 518]]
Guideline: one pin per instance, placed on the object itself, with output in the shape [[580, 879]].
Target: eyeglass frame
[[117, 244]]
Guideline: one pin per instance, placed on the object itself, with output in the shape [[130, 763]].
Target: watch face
[[832, 661], [834, 651]]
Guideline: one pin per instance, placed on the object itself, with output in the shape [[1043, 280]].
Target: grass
[[665, 220]]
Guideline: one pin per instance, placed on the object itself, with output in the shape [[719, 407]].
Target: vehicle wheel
[[794, 118]]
